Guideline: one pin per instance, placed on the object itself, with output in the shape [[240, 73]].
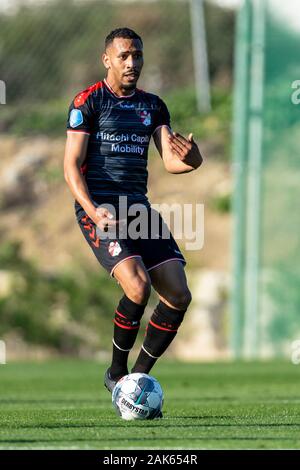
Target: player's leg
[[136, 284], [121, 259], [169, 281]]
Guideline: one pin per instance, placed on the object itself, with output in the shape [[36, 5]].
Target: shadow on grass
[[153, 439], [146, 424]]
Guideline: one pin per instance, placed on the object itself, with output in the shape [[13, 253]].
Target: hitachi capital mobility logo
[[2, 92]]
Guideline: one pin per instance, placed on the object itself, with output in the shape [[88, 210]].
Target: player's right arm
[[75, 155]]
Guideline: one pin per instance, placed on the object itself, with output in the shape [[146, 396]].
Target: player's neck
[[116, 89]]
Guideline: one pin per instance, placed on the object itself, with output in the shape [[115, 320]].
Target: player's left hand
[[186, 149]]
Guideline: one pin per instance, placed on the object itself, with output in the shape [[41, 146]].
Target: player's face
[[124, 62]]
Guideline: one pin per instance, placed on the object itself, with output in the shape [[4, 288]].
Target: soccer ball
[[138, 396]]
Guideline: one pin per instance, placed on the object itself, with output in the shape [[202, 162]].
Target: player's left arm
[[180, 155]]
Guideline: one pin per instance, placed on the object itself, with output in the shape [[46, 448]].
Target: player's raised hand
[[186, 149]]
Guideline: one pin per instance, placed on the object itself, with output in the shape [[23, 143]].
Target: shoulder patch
[[76, 118], [81, 98]]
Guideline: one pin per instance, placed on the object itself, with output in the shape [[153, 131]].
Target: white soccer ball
[[138, 396]]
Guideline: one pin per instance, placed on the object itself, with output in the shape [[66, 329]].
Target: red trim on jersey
[[79, 131], [81, 98], [162, 125]]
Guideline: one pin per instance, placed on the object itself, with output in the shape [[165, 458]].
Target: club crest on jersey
[[114, 248], [145, 116], [76, 118]]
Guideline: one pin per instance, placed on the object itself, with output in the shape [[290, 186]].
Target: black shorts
[[153, 251]]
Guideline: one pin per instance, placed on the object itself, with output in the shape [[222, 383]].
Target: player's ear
[[106, 60]]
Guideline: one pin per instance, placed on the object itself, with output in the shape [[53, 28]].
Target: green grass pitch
[[64, 405]]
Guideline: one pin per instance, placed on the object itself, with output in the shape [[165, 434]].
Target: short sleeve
[[162, 116], [80, 116]]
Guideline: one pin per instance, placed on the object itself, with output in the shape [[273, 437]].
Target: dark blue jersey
[[120, 128]]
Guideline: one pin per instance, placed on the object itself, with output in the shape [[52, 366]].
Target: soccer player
[[108, 133]]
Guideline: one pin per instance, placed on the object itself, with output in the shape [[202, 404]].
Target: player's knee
[[139, 291], [181, 299]]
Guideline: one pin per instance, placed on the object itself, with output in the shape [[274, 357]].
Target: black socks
[[127, 323], [161, 331]]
